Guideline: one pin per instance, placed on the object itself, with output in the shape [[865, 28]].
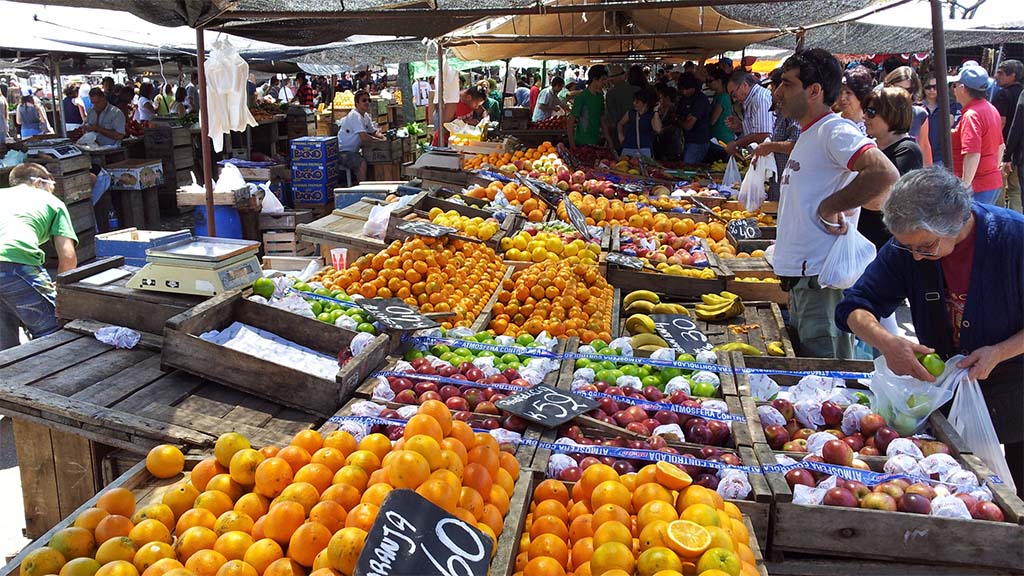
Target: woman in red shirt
[[978, 138], [469, 108]]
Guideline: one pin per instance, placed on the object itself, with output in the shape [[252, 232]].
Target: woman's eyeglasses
[[931, 87], [870, 112], [927, 250]]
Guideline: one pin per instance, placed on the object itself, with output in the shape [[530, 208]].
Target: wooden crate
[[72, 188], [896, 536], [763, 291], [504, 561], [342, 229], [66, 166], [285, 244], [287, 220], [184, 349], [419, 208], [384, 171]]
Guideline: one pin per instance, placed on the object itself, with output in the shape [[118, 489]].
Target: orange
[[243, 466], [464, 434], [695, 494], [344, 549], [610, 513], [739, 530], [375, 495], [471, 501], [410, 469], [423, 424], [656, 559], [180, 498], [205, 562], [543, 566], [722, 559], [593, 476], [720, 537], [581, 527], [117, 568], [655, 510], [42, 561], [90, 517], [549, 525], [302, 492], [271, 477], [203, 471], [649, 492], [612, 556], [233, 545], [252, 505], [454, 445], [165, 461], [224, 483], [215, 501], [310, 440], [427, 447], [162, 566], [476, 477], [193, 540], [745, 553], [295, 456], [80, 567], [73, 543], [610, 492], [733, 511], [646, 475], [362, 516], [551, 546], [582, 551], [377, 443], [283, 519], [701, 514], [364, 459], [671, 476], [442, 494], [195, 517], [688, 539], [439, 412], [160, 512], [236, 568], [330, 514], [654, 534], [120, 548], [345, 495], [552, 489], [353, 476], [612, 532], [318, 475], [118, 501], [284, 567], [552, 508], [149, 531], [492, 518], [226, 446], [307, 542], [262, 553], [112, 526], [332, 458], [500, 499], [509, 464], [578, 509], [341, 441]]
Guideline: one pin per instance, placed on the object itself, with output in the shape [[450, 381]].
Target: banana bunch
[[716, 307], [647, 342], [640, 324], [647, 302], [775, 348], [742, 347]]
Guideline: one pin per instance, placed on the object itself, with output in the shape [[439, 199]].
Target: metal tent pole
[[441, 137], [939, 46], [58, 101], [204, 132]]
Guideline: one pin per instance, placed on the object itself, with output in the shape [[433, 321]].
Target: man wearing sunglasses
[[32, 215], [356, 129], [960, 263]]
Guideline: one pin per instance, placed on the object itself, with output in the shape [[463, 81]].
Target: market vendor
[[32, 215], [548, 102], [587, 123], [960, 263], [356, 129], [105, 120]]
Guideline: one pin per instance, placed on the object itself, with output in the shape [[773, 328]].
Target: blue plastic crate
[[132, 243]]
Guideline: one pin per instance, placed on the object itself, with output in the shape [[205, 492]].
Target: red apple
[[799, 476], [837, 452], [883, 436], [720, 432], [878, 501], [785, 407], [571, 474], [446, 370], [456, 403], [870, 423], [832, 413], [638, 428], [840, 497], [968, 500], [487, 407], [890, 488], [447, 391], [803, 434], [855, 441], [914, 504], [869, 451], [406, 397], [425, 386], [776, 436], [795, 446], [860, 464], [922, 489], [987, 511]]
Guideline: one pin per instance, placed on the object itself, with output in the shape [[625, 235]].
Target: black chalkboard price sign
[[413, 537], [546, 406], [681, 332], [423, 228], [745, 229], [626, 261], [395, 314]]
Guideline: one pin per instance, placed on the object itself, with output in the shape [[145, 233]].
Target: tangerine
[[119, 501], [307, 541], [165, 461]]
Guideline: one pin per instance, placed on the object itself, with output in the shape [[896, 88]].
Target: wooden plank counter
[[73, 399], [342, 229]]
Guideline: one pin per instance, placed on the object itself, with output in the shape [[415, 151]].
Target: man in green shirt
[[30, 217], [587, 122]]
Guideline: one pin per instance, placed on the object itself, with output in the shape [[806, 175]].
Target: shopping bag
[[970, 417], [906, 402], [754, 188], [732, 174], [377, 223], [846, 260]]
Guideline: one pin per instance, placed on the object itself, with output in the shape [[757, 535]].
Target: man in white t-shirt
[[356, 129], [548, 101], [421, 92], [832, 172]]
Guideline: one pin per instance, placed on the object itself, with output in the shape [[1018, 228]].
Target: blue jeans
[[987, 196], [27, 297], [695, 153]]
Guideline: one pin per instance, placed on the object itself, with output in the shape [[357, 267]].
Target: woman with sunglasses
[[960, 263], [906, 77], [931, 104], [888, 116]]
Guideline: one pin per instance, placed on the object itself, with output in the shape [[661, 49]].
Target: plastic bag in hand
[[906, 402], [970, 417], [846, 260], [732, 173], [753, 189]]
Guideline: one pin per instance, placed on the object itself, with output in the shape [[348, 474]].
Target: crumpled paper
[[118, 336]]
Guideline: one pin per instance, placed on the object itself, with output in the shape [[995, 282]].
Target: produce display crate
[[71, 188], [382, 151], [384, 171], [680, 287], [764, 291], [896, 536], [285, 244], [184, 349], [342, 229], [286, 220], [425, 201], [132, 243]]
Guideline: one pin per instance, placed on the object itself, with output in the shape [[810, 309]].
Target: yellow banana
[[642, 307], [647, 340], [743, 347], [640, 324], [640, 295], [776, 349]]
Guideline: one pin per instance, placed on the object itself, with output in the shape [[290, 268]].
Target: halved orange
[[671, 477], [688, 539]]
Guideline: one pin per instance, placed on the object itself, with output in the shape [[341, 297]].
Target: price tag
[[577, 219], [411, 536], [745, 229], [625, 261], [547, 406], [548, 193], [681, 332], [395, 314], [424, 228]]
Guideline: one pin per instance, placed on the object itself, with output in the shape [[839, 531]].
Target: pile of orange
[[495, 159], [651, 523], [302, 509], [517, 195], [557, 297], [437, 275]]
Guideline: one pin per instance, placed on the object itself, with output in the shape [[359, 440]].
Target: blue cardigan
[[995, 298]]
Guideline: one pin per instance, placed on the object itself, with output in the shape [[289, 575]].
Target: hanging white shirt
[[285, 94]]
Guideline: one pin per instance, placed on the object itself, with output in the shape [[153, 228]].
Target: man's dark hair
[[147, 91], [817, 66], [107, 79], [667, 91], [741, 76], [180, 94], [597, 72], [647, 95], [359, 94], [636, 76], [976, 94], [558, 81], [688, 82], [1015, 67], [275, 81], [97, 92], [476, 93], [25, 173]]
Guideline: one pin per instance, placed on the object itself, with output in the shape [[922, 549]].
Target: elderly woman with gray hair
[[961, 265]]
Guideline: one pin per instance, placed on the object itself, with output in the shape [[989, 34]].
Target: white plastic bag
[[230, 179], [754, 188], [732, 173], [906, 402], [377, 223], [849, 256], [970, 417]]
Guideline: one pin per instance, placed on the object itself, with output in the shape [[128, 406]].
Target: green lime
[[630, 370], [686, 358], [301, 286], [316, 308], [652, 381], [439, 349], [506, 358], [514, 365], [324, 317], [448, 357], [366, 327], [485, 354], [524, 340], [464, 352], [606, 351], [667, 374], [322, 292], [335, 314], [702, 389], [598, 345], [580, 362], [483, 336], [263, 287], [933, 364], [607, 365], [411, 355]]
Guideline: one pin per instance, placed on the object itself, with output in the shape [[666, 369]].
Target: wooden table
[[342, 229], [74, 400]]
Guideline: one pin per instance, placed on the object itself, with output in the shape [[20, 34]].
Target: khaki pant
[[1010, 198], [812, 311]]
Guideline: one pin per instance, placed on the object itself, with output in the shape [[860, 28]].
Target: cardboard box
[[136, 174], [312, 193], [314, 149], [315, 174]]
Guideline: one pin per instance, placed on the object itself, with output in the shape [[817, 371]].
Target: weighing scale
[[58, 148], [201, 266]]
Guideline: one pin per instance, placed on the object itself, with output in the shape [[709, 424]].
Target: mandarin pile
[[437, 275], [475, 227], [517, 160], [302, 509], [517, 195], [563, 300], [651, 523]]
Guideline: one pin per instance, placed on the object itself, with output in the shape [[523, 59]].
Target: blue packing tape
[[635, 454], [473, 345], [650, 405], [868, 477], [344, 303], [714, 367], [446, 380]]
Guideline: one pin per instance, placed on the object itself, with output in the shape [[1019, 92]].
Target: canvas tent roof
[[859, 37]]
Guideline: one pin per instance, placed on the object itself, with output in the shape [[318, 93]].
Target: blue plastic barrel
[[229, 222]]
